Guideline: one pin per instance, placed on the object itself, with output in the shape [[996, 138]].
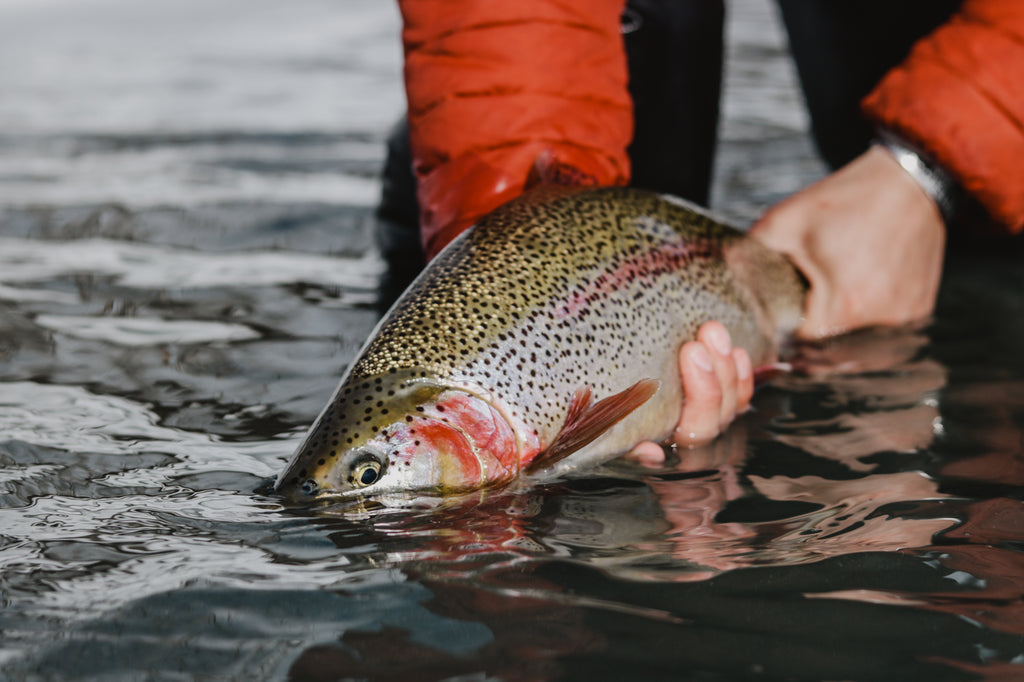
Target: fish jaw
[[455, 441]]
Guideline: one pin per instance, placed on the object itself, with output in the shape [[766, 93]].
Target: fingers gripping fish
[[542, 340]]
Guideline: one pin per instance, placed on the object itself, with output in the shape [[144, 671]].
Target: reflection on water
[[178, 299], [855, 525]]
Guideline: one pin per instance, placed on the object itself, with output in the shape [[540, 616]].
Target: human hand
[[718, 382], [869, 241]]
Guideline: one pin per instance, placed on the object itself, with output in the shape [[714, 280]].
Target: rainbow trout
[[542, 340]]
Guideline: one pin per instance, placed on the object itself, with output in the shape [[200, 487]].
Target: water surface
[[186, 266]]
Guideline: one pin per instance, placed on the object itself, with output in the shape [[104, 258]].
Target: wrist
[[930, 176]]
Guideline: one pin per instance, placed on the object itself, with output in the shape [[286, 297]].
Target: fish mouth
[[310, 494], [301, 484], [391, 502], [295, 489], [310, 490]]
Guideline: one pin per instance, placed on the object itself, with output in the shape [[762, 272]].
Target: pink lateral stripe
[[668, 257]]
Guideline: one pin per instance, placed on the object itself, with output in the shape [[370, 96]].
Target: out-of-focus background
[[194, 103]]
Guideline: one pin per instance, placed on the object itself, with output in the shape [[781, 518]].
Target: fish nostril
[[309, 487]]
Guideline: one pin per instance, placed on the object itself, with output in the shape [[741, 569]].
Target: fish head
[[402, 432]]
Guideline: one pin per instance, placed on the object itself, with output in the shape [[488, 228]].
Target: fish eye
[[366, 471]]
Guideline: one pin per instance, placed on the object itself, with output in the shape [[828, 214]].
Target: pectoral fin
[[586, 420]]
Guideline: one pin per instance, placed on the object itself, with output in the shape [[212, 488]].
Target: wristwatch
[[935, 180]]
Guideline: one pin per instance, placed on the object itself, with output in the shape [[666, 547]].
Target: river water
[[186, 266]]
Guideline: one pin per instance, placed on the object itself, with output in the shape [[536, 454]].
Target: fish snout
[[296, 489], [299, 483], [309, 487]]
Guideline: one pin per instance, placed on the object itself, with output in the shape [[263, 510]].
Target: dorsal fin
[[586, 420]]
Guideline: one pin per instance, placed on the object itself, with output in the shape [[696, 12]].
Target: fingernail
[[719, 338], [743, 368], [701, 358]]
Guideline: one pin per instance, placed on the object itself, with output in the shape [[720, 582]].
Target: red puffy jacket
[[959, 95], [501, 93]]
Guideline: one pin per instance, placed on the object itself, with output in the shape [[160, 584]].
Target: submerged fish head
[[397, 434]]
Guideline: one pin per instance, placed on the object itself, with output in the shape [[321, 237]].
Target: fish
[[540, 342]]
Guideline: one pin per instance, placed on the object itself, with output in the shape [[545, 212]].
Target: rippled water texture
[[186, 266]]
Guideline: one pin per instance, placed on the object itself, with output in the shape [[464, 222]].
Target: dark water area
[[181, 287]]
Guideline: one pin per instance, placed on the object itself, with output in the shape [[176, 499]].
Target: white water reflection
[[154, 550], [195, 65], [148, 266], [145, 331], [73, 419], [101, 550], [27, 295], [172, 177], [191, 102]]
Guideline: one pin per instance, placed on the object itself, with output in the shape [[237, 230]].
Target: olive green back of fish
[[568, 287]]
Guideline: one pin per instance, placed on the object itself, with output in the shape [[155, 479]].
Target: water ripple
[[147, 266]]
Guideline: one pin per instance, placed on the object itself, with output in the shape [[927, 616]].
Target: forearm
[[959, 97], [494, 86]]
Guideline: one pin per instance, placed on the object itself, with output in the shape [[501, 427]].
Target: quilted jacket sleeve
[[959, 96], [500, 91]]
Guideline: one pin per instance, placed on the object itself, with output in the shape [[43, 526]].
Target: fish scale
[[559, 291]]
